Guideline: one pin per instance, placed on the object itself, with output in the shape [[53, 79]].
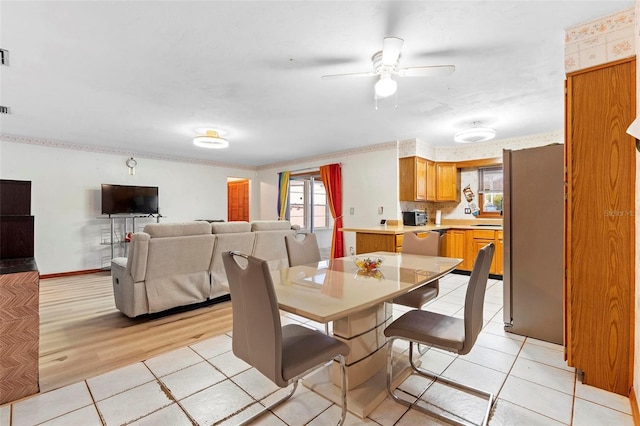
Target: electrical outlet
[[467, 210], [380, 210], [351, 210]]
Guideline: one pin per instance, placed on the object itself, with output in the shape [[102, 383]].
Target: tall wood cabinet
[[600, 224]]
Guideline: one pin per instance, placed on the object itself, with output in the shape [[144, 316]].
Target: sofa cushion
[[230, 227], [164, 230], [241, 241], [270, 246], [270, 225], [178, 270]]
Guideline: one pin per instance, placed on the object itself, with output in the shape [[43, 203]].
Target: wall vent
[[4, 57], [4, 110]]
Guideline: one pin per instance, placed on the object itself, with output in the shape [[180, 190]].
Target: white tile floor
[[205, 384]]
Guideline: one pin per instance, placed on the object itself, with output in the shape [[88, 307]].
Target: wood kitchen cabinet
[[370, 242], [413, 179], [444, 178], [479, 239], [432, 177], [456, 243], [600, 216], [465, 244], [499, 253], [424, 180]]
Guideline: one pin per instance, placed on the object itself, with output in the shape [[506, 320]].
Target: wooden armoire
[[600, 219]]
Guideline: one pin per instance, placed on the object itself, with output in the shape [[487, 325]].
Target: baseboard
[[72, 273], [635, 411], [462, 272]]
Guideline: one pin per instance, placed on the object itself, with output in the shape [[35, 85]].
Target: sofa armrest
[[138, 253]]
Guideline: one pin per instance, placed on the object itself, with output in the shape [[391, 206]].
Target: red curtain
[[332, 177]]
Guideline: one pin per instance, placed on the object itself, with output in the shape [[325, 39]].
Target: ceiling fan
[[385, 65]]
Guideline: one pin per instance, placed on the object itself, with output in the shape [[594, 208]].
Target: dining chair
[[452, 334], [281, 353], [300, 252], [426, 246]]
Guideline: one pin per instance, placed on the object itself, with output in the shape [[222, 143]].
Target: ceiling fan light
[[211, 140], [475, 134], [386, 86]]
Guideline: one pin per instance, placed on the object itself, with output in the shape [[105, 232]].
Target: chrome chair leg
[[343, 371], [436, 378], [272, 406]]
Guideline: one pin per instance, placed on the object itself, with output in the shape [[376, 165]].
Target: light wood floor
[[82, 334]]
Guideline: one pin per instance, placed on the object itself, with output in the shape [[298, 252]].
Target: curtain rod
[[307, 169]]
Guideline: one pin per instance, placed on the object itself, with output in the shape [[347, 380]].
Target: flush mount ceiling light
[[476, 133], [211, 139], [386, 86]]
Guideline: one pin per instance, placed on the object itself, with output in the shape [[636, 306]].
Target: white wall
[[369, 181], [65, 197]]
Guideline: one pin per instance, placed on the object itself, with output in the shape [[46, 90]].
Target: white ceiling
[[141, 76]]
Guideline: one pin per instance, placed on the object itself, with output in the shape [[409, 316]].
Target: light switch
[[351, 210]]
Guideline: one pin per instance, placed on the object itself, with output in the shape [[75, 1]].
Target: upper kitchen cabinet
[[432, 176], [413, 179], [600, 216], [424, 180], [445, 176]]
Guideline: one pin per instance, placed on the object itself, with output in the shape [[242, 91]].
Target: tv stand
[[116, 240]]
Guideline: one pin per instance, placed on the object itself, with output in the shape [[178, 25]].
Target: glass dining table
[[356, 301]]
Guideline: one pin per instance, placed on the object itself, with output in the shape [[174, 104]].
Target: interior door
[[238, 200]]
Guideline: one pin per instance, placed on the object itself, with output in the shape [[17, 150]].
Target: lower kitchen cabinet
[[481, 238], [499, 253], [370, 242], [455, 243], [465, 244]]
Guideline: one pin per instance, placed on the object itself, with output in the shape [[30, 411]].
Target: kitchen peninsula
[[460, 238]]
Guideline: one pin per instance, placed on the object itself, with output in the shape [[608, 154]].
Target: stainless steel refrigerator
[[533, 242]]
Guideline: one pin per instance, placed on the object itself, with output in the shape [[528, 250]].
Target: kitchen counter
[[401, 229], [389, 237]]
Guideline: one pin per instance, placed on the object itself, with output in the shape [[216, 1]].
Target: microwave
[[415, 218]]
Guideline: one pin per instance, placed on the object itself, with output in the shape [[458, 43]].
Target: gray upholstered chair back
[[474, 301], [257, 332], [426, 246], [300, 252]]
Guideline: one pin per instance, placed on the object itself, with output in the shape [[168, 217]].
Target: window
[[308, 203], [490, 190]]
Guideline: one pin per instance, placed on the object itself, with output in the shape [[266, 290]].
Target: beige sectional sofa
[[178, 264]]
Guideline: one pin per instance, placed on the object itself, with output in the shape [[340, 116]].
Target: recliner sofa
[[178, 264]]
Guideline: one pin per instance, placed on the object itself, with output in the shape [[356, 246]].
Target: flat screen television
[[124, 199]]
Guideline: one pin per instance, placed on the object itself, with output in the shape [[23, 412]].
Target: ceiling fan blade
[[391, 47], [355, 74], [428, 71]]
